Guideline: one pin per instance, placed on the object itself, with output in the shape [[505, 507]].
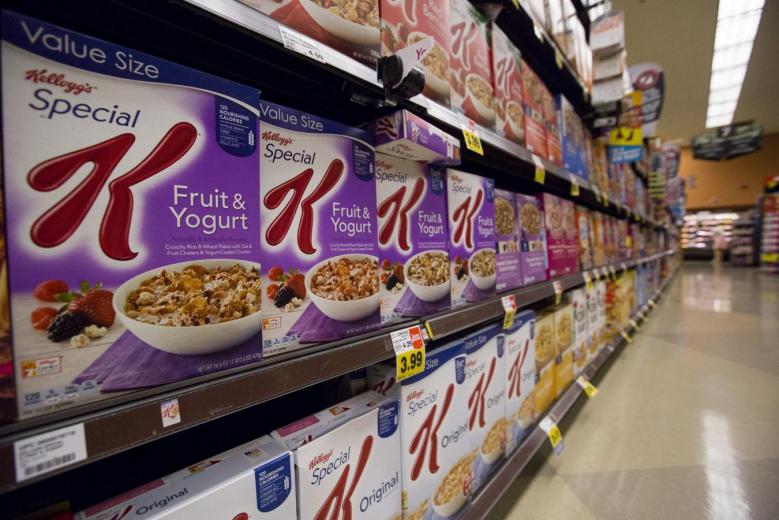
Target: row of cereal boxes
[[416, 449], [163, 224]]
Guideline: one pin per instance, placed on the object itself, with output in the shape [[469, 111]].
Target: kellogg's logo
[[416, 394], [58, 80], [269, 135], [320, 459]]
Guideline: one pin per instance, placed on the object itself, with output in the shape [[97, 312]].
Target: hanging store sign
[[626, 140], [671, 155], [727, 142], [649, 79]]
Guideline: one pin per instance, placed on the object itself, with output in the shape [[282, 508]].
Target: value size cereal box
[[581, 332], [507, 81], [405, 23], [572, 137], [532, 239], [556, 245], [600, 306], [533, 92], [509, 273], [254, 480], [585, 245], [553, 145], [132, 218], [546, 353], [485, 378], [470, 74], [594, 341], [347, 460], [570, 230], [471, 208], [413, 239], [318, 210], [349, 27], [520, 347], [408, 136], [564, 336]]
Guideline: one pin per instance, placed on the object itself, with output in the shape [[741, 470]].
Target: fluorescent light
[[737, 24]]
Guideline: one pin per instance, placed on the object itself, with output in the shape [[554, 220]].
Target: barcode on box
[[49, 464], [48, 451]]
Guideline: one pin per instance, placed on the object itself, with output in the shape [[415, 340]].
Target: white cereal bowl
[[341, 27], [524, 422], [427, 293], [481, 282], [488, 113], [450, 508], [351, 310], [515, 129], [187, 341], [490, 458]]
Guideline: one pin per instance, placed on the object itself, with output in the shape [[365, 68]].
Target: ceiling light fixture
[[737, 23]]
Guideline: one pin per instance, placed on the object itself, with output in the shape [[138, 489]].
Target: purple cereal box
[[413, 239], [132, 215], [318, 214], [509, 273], [570, 230], [532, 240], [470, 201], [408, 136], [556, 246]]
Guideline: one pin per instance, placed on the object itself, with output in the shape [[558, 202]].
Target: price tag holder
[[409, 347], [574, 185], [538, 31], [540, 170], [510, 306], [623, 266], [49, 451], [596, 191], [471, 138], [612, 273], [301, 44], [626, 337], [552, 431], [634, 324], [588, 387], [652, 303], [606, 199], [558, 58], [558, 291], [587, 280], [516, 4]]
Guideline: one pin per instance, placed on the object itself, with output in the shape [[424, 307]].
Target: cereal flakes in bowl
[[345, 287], [516, 118], [482, 268], [427, 275], [435, 65], [526, 415], [355, 21], [450, 495], [191, 308], [494, 442], [482, 96]]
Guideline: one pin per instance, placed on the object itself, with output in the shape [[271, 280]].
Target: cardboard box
[[254, 480], [509, 273], [116, 178], [318, 192], [408, 136], [507, 81], [572, 137], [532, 239], [556, 247], [546, 354], [593, 324], [533, 92], [414, 273], [581, 332], [554, 148], [520, 347], [564, 336], [585, 247], [471, 208], [571, 236]]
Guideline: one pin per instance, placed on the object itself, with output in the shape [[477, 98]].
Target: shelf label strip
[[40, 454], [510, 306], [301, 44]]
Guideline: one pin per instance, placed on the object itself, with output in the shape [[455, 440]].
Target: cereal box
[[598, 239], [546, 353], [507, 81], [572, 138], [349, 27], [594, 341], [485, 379], [532, 239], [509, 273], [556, 247], [600, 307], [537, 9], [581, 332], [140, 176], [471, 207], [533, 92], [413, 239], [254, 480], [554, 149], [585, 247], [408, 136], [318, 210], [405, 23], [564, 336], [571, 229], [347, 459], [470, 74], [520, 346]]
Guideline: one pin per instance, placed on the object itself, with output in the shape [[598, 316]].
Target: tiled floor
[[686, 423]]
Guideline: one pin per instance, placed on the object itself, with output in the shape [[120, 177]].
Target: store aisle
[[686, 421]]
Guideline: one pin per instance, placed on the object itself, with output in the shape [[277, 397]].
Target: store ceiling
[[679, 35]]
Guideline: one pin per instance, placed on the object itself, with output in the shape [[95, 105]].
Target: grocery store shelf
[[491, 492], [114, 426]]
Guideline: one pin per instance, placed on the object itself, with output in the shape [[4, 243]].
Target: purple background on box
[[532, 248], [570, 228], [509, 275], [556, 248]]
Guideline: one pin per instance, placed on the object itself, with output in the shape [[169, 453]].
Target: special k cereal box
[[438, 460], [520, 347], [414, 272], [349, 27], [556, 246], [554, 148], [546, 353], [509, 273], [471, 207], [564, 336], [408, 136], [347, 459], [581, 332], [584, 245], [485, 378], [318, 210], [533, 92], [570, 230], [507, 82], [532, 239], [405, 23], [254, 480], [130, 197], [470, 73]]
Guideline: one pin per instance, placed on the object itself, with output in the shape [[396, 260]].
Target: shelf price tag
[[409, 349], [652, 303], [606, 199], [538, 31], [471, 138], [587, 280], [301, 44], [596, 191], [510, 306], [540, 170], [49, 451], [623, 266], [516, 4], [574, 185], [588, 387], [626, 337], [558, 58], [558, 291], [549, 427], [634, 324]]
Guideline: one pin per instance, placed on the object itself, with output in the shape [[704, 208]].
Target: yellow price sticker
[[516, 3], [510, 307], [429, 330], [574, 185], [587, 279], [540, 169], [553, 432], [558, 58], [588, 387], [606, 199], [558, 291], [626, 337], [472, 140], [769, 257], [634, 324], [596, 191], [409, 346]]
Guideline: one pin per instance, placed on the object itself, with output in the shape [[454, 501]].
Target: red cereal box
[[553, 147], [533, 102], [507, 81], [470, 74], [408, 21]]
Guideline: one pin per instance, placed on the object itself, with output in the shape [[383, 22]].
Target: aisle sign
[[409, 351], [540, 170], [574, 185], [49, 451], [558, 291], [301, 44], [549, 427], [588, 387], [471, 137], [510, 306]]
